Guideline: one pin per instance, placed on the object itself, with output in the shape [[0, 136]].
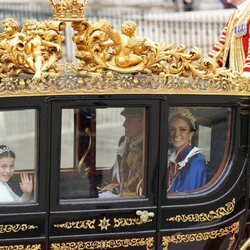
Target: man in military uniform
[[233, 48], [127, 171]]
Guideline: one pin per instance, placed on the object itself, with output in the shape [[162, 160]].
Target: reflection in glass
[[108, 153], [17, 163], [198, 147]]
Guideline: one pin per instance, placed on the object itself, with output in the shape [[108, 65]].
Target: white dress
[[7, 195]]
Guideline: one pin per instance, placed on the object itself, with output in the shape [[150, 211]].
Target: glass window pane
[[102, 153], [198, 146], [18, 138]]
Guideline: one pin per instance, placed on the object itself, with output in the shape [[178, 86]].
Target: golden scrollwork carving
[[127, 222], [16, 228], [185, 238], [22, 247], [86, 224], [99, 47], [205, 217], [148, 243]]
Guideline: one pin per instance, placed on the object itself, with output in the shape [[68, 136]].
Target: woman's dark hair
[[5, 151]]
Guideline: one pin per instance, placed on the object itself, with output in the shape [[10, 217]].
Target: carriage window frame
[[77, 157], [152, 106], [223, 166], [35, 170]]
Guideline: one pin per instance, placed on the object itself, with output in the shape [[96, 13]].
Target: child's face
[[6, 168]]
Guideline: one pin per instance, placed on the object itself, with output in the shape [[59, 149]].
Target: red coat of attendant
[[233, 48]]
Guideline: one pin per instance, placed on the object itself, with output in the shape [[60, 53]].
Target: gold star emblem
[[104, 223]]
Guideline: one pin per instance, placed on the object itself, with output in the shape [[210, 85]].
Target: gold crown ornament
[[69, 10]]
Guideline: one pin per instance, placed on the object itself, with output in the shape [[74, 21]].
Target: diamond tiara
[[185, 113], [5, 149]]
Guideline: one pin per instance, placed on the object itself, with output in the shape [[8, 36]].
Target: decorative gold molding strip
[[22, 247], [16, 228], [148, 243], [113, 83], [126, 222], [185, 238], [203, 217], [86, 224]]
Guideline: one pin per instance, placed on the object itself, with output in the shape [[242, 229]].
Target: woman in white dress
[[7, 162]]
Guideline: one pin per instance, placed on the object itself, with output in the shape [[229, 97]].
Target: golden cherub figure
[[127, 46], [35, 45], [34, 50], [11, 47]]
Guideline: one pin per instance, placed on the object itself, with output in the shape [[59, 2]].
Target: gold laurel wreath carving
[[86, 224], [22, 247], [185, 238], [126, 222], [203, 217], [105, 244], [16, 228]]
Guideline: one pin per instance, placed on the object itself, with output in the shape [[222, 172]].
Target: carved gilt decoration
[[185, 238], [109, 61], [104, 223], [16, 228], [34, 50], [148, 243], [205, 217], [22, 247], [68, 10], [127, 222], [100, 47], [86, 224], [111, 83]]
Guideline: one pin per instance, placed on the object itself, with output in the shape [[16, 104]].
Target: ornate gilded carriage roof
[[109, 61]]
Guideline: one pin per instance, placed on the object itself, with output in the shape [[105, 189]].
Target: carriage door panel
[[102, 174], [23, 174], [204, 202]]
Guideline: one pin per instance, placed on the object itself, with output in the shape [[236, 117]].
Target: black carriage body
[[213, 218]]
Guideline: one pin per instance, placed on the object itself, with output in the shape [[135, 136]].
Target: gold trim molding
[[16, 228], [148, 243], [22, 247], [195, 237], [104, 223], [127, 222], [204, 217], [86, 224], [112, 83]]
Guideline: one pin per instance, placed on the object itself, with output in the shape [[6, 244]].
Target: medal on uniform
[[240, 30]]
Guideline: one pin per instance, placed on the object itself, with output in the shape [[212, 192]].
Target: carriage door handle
[[145, 215]]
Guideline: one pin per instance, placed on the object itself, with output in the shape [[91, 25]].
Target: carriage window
[[18, 156], [198, 147], [102, 153]]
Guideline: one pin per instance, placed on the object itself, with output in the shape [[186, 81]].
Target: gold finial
[[69, 10]]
